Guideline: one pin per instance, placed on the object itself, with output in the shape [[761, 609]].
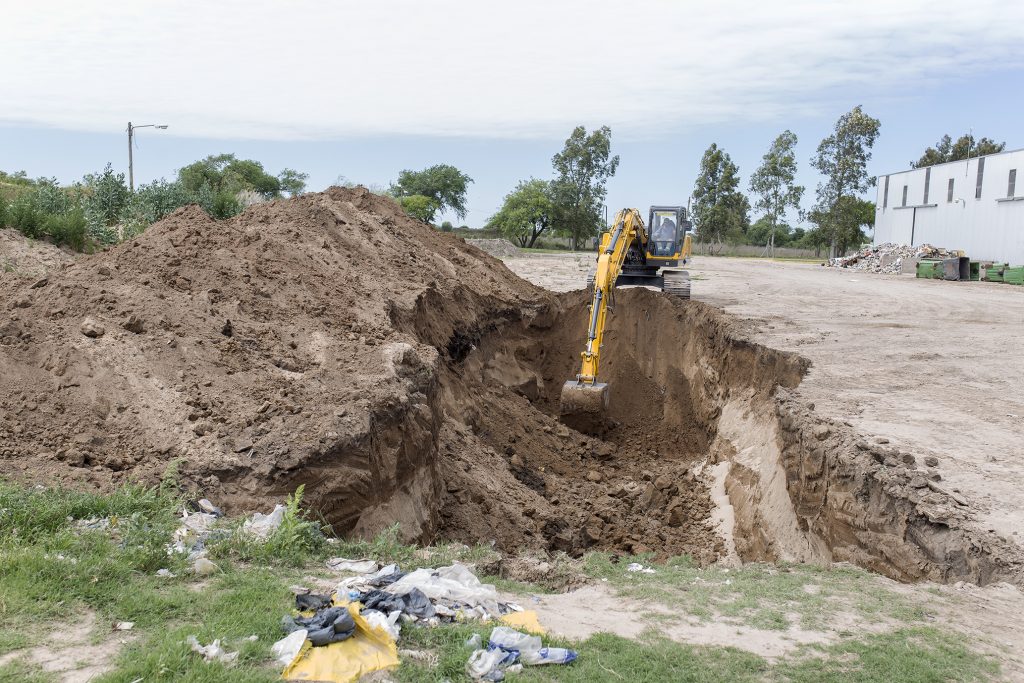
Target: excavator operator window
[[664, 233]]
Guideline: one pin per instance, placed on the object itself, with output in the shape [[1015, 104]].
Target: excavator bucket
[[584, 407]]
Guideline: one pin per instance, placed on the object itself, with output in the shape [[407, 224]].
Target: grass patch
[[912, 655], [759, 595], [53, 567], [20, 671]]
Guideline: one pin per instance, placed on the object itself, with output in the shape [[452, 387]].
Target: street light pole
[[131, 164]]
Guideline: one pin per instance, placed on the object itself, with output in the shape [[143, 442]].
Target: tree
[[582, 170], [842, 228], [947, 150], [293, 182], [766, 232], [773, 183], [720, 210], [526, 213], [444, 184], [842, 158], [106, 195], [224, 173], [420, 207]]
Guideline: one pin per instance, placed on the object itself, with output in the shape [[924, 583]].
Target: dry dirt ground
[[25, 257], [933, 366]]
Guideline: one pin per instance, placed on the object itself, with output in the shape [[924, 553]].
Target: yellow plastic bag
[[526, 620], [369, 649]]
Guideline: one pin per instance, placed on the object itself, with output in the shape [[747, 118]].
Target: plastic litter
[[287, 648], [527, 620], [528, 649], [369, 649], [330, 625], [483, 665], [473, 641], [548, 655], [206, 506], [124, 626], [311, 601], [165, 573], [637, 567], [261, 526], [385, 576], [361, 566], [388, 622], [455, 583], [212, 652]]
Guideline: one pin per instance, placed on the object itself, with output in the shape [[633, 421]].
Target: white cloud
[[313, 70]]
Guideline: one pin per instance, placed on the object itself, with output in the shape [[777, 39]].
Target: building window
[[981, 174], [1012, 185], [904, 195], [927, 183], [885, 193], [949, 192]]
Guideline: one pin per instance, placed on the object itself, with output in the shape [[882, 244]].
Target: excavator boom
[[584, 401]]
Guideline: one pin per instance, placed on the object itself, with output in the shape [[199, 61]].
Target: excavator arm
[[584, 400]]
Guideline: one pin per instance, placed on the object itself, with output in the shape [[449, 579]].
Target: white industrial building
[[976, 205]]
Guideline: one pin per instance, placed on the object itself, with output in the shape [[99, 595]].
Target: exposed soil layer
[[404, 376]]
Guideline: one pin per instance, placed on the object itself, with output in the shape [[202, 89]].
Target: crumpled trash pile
[[197, 528], [507, 651], [354, 631], [887, 257]]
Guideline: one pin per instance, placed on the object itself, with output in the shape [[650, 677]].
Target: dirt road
[[935, 367]]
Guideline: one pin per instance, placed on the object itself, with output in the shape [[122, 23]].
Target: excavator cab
[[655, 258], [669, 229]]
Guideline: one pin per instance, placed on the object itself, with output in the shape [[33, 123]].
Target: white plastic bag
[[483, 664], [528, 649], [511, 640], [387, 622], [360, 566], [548, 655], [211, 652], [455, 583], [286, 649], [261, 526]]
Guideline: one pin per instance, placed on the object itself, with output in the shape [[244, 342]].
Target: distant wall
[[704, 249]]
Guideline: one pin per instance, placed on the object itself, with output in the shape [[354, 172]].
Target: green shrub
[[293, 542], [225, 205], [25, 217], [447, 226], [3, 213], [69, 228]]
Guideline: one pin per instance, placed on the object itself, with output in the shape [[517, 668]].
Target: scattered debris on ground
[[887, 257], [354, 630]]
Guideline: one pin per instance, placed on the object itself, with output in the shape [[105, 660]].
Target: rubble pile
[[887, 257]]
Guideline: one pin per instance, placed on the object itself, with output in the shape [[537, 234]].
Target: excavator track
[[676, 283]]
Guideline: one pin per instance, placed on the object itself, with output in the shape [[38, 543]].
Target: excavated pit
[[403, 376], [711, 455]]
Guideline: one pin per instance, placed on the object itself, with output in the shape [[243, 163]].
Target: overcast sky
[[366, 89]]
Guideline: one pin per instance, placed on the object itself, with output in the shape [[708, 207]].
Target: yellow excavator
[[629, 254]]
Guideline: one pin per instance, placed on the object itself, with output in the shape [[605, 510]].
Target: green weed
[[297, 540]]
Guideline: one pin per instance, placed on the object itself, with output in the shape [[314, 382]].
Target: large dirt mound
[[24, 257], [251, 349], [404, 376]]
